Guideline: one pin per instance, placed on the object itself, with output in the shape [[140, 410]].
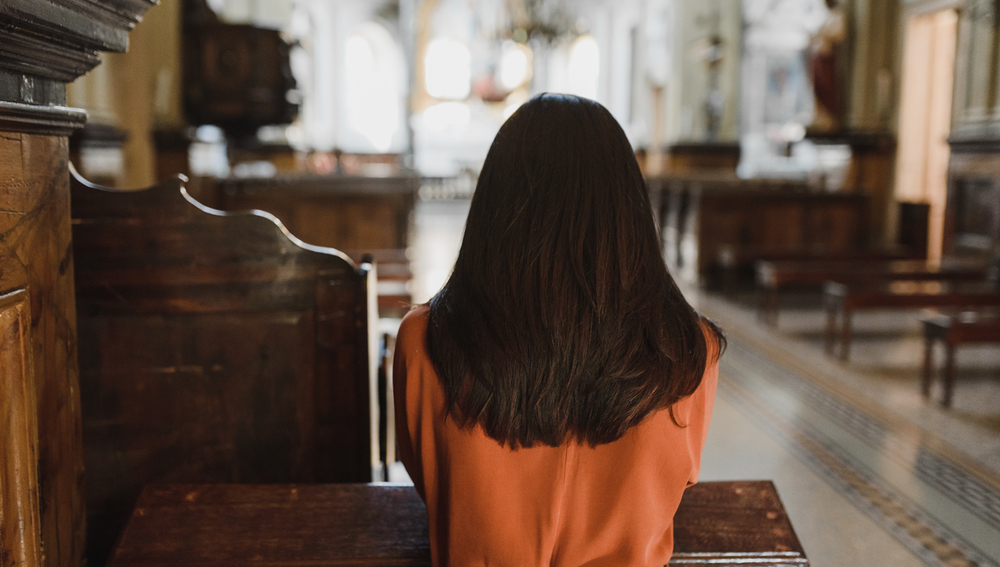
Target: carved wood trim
[[59, 39], [36, 119], [20, 539], [29, 54]]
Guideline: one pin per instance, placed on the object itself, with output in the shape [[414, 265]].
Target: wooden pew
[[911, 244], [954, 329], [356, 214], [717, 523], [701, 216], [841, 300], [733, 261], [214, 347], [771, 276]]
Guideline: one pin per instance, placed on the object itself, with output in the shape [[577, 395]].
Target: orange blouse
[[570, 505]]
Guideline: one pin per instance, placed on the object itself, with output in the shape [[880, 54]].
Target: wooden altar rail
[[718, 523], [214, 348]]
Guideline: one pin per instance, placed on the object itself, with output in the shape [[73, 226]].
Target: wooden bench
[[911, 244], [718, 523], [354, 213], [841, 300], [214, 348], [771, 276], [733, 261], [954, 329], [700, 215]]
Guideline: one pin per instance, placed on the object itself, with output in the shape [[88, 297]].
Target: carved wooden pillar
[[44, 44]]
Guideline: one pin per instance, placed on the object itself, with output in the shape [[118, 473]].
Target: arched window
[[448, 69], [374, 73]]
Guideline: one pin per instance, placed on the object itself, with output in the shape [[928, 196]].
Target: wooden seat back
[[214, 347]]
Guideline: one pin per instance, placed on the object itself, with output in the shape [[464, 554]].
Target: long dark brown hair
[[560, 319]]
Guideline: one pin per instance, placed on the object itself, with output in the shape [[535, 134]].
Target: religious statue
[[824, 51]]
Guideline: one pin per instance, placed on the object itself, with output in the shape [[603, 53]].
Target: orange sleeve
[[408, 344], [703, 402]]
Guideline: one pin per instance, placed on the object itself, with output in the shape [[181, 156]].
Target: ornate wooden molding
[[39, 119], [60, 39]]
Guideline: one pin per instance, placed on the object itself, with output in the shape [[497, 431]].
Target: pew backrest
[[215, 347]]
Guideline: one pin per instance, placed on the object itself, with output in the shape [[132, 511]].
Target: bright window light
[[584, 67], [373, 77], [447, 116], [514, 101], [448, 69], [515, 65]]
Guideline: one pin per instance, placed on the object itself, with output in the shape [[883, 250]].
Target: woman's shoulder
[[413, 328], [715, 341]]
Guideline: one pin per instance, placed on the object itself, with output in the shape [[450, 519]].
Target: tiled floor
[[927, 477], [870, 471]]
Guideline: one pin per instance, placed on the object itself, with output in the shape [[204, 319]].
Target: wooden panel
[[757, 217], [724, 523], [44, 45], [972, 213], [346, 212], [213, 349], [356, 214], [35, 255], [237, 77], [20, 537], [835, 225]]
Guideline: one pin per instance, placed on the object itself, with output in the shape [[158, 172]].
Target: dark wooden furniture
[[972, 213], [701, 216], [911, 244], [724, 523], [237, 77], [841, 300], [772, 276], [692, 157], [954, 329], [213, 348], [357, 214], [43, 46]]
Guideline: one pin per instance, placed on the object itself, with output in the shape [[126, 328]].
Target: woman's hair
[[560, 319]]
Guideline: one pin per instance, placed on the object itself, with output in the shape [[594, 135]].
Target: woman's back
[[554, 396], [567, 505]]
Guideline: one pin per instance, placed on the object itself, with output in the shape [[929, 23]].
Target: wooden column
[[44, 44]]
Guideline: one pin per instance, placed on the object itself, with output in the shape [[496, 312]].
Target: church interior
[[214, 214]]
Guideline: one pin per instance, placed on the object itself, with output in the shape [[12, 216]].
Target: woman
[[553, 398]]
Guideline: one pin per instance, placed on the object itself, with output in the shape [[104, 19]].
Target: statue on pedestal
[[824, 52]]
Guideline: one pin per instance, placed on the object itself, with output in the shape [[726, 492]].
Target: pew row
[[772, 276], [718, 523], [703, 216], [214, 347], [841, 300], [954, 329], [911, 244]]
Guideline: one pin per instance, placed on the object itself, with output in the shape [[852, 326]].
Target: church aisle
[[853, 469], [833, 532], [871, 474]]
